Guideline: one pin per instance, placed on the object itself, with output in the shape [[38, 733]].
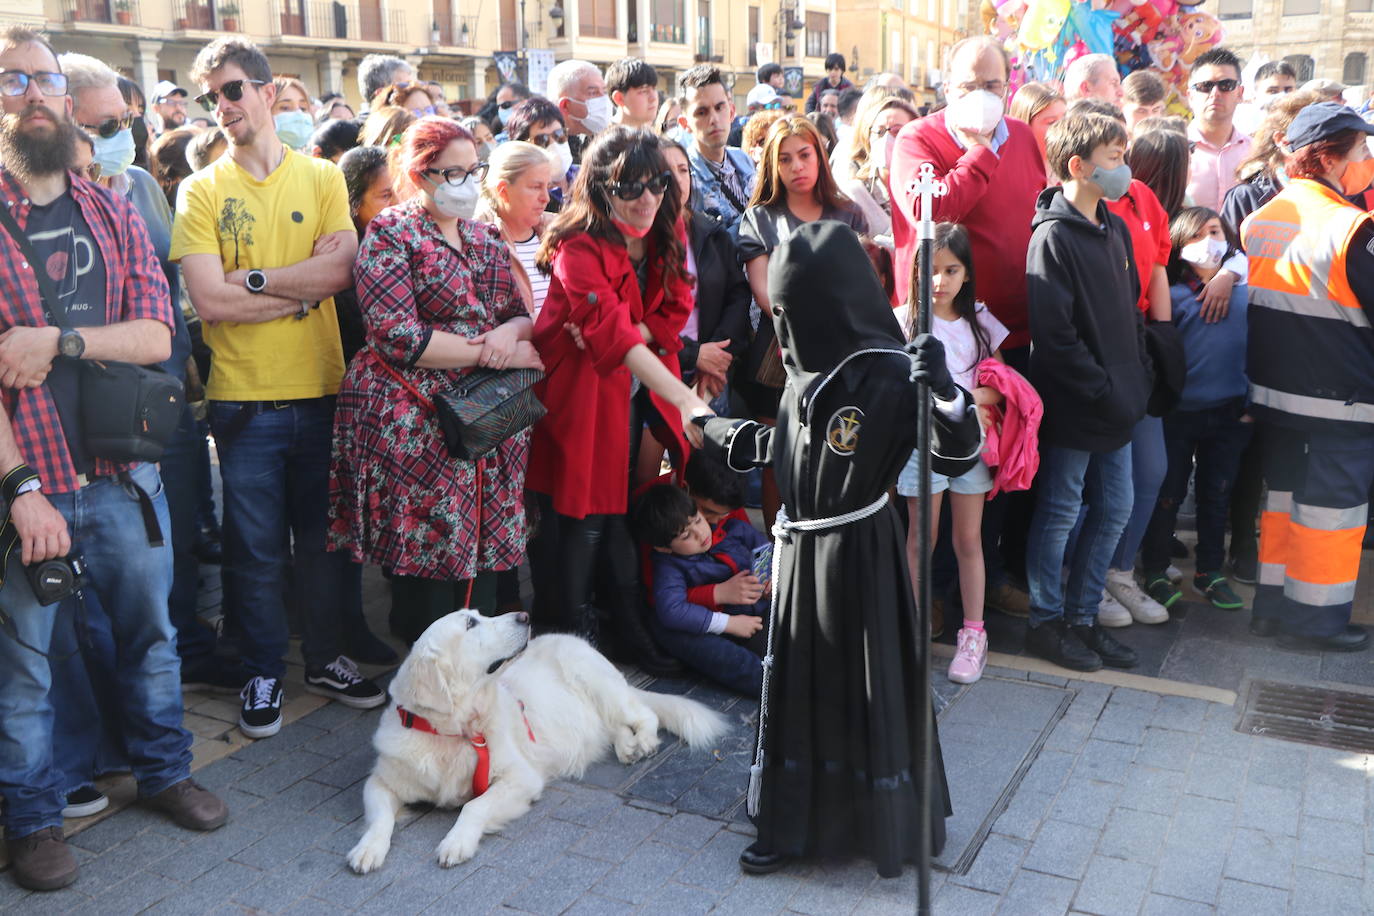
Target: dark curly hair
[[529, 114]]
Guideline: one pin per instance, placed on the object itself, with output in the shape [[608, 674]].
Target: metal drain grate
[[1310, 715]]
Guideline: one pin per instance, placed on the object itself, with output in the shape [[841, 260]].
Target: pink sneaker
[[967, 664]]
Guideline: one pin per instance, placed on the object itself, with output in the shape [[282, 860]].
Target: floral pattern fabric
[[397, 498]]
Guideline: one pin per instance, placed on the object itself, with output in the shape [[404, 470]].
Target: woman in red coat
[[608, 334]]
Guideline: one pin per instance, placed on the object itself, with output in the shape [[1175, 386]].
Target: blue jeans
[[132, 581], [721, 658], [184, 475], [87, 738], [275, 470], [1149, 463], [1217, 438], [1068, 480]]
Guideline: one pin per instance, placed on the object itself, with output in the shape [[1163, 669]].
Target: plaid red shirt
[[135, 288]]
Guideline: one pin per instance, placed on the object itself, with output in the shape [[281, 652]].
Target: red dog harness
[[481, 776]]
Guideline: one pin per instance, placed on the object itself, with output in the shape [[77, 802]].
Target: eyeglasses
[[424, 112], [993, 86], [508, 103], [1224, 85], [90, 172], [879, 132], [232, 90], [109, 127], [558, 136], [457, 174], [634, 190], [16, 82]]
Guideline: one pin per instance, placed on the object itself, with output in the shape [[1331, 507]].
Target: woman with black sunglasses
[[608, 333]]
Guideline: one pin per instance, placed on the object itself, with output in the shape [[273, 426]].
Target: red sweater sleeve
[[594, 304]]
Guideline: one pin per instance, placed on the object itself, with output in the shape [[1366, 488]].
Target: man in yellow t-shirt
[[265, 240]]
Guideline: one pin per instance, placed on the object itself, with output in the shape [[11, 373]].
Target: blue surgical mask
[[503, 115], [1113, 182], [115, 154], [294, 128]]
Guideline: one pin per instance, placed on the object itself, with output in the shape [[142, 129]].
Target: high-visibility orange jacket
[[1310, 355]]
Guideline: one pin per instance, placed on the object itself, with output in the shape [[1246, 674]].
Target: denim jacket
[[711, 197]]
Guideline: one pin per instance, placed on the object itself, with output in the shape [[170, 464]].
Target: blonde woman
[[384, 126], [1041, 106], [869, 148], [515, 192], [292, 112]]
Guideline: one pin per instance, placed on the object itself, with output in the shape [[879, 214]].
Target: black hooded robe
[[842, 744]]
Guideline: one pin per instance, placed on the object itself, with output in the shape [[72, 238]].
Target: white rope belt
[[782, 530]]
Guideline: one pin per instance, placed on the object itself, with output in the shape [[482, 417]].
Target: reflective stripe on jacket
[[1310, 356]]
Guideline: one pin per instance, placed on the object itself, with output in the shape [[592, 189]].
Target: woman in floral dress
[[438, 296]]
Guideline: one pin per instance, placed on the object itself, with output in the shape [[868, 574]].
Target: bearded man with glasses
[[61, 501], [265, 240], [1214, 91]]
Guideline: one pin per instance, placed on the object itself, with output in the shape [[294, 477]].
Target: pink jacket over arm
[[1012, 446]]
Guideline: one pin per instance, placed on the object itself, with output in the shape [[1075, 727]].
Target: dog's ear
[[424, 680]]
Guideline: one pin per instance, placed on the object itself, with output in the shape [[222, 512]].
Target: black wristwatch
[[71, 344], [256, 281]]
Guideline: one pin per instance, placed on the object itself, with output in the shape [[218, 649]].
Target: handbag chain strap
[[52, 303], [480, 462]]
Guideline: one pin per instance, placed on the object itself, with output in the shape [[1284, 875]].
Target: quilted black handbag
[[484, 409]]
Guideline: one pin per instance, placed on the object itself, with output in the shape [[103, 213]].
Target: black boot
[[640, 645], [585, 624]]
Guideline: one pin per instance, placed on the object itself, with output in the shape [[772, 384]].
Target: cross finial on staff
[[928, 187]]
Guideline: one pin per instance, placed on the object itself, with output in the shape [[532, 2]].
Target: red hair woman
[[438, 297]]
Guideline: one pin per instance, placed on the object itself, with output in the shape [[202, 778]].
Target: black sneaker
[[340, 680], [1101, 643], [84, 802], [1053, 642], [1245, 566], [260, 716]]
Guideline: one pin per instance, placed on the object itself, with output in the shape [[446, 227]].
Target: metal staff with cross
[[928, 187]]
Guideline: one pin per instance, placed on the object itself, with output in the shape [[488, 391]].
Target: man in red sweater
[[994, 174]]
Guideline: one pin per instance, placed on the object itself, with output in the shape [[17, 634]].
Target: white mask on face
[[598, 116], [1205, 253], [978, 112], [456, 201], [881, 153], [562, 155]]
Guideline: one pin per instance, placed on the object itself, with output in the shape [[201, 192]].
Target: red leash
[[481, 775]]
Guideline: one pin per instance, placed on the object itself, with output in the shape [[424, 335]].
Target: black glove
[[930, 365]]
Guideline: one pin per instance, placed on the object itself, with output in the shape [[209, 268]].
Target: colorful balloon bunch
[[1044, 36]]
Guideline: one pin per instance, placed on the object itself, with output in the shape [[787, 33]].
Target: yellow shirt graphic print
[[265, 224]]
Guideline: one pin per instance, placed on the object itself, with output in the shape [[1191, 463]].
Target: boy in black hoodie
[[1089, 364]]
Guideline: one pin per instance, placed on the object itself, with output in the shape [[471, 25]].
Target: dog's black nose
[[522, 617]]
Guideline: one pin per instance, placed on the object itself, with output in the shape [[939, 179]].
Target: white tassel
[[751, 803]]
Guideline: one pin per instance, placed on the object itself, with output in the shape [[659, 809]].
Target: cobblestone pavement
[[1135, 802]]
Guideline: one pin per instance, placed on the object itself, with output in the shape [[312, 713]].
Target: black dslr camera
[[55, 579]]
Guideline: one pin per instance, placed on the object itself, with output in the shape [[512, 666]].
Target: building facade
[[452, 43], [908, 37], [1323, 39]]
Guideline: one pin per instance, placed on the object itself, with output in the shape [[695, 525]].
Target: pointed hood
[[827, 301]]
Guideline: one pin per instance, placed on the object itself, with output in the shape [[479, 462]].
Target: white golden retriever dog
[[547, 708]]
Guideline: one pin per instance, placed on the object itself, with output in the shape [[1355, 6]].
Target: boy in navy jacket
[[708, 604]]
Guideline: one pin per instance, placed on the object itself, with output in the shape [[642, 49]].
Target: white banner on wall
[[540, 63]]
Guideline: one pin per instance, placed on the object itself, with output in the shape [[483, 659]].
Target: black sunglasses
[[558, 136], [634, 190], [16, 82], [109, 127], [458, 175], [232, 90], [1209, 85], [508, 103]]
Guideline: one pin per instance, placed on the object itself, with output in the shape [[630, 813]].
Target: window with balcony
[[596, 18], [1354, 70], [1235, 9], [669, 21], [1304, 65], [753, 36], [817, 34]]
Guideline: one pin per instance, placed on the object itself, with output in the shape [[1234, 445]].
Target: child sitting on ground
[[724, 639]]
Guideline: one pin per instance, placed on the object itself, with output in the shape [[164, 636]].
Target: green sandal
[[1215, 588], [1159, 587]]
